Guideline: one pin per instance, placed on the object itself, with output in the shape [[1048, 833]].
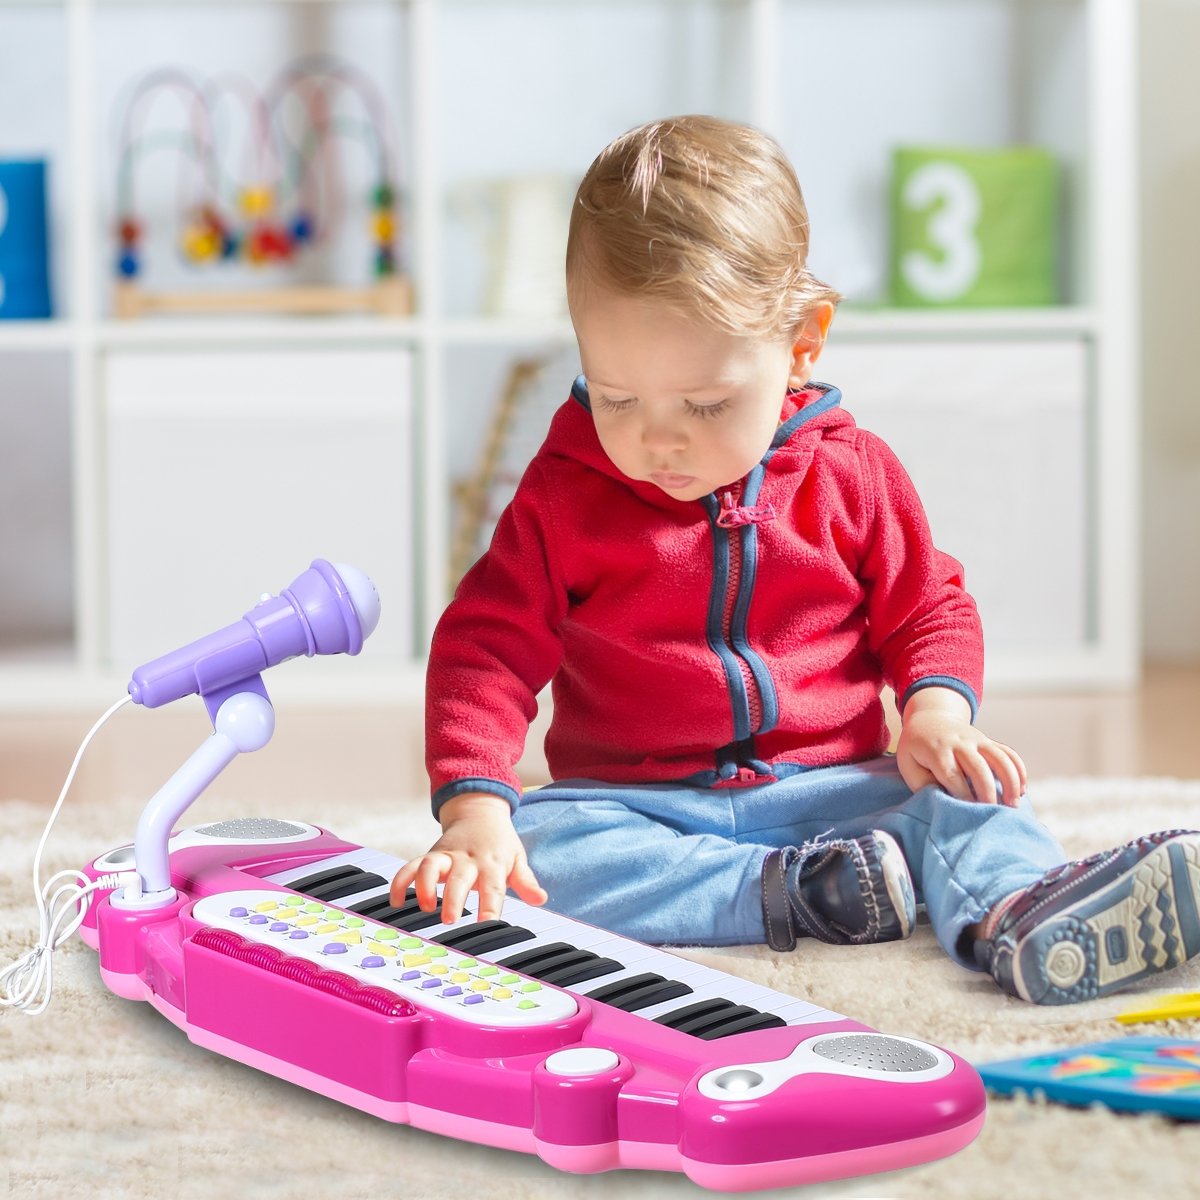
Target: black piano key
[[483, 936], [680, 1017], [407, 917], [639, 991], [561, 964], [746, 1023], [336, 881]]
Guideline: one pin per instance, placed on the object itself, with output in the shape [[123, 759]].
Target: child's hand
[[939, 745], [478, 851]]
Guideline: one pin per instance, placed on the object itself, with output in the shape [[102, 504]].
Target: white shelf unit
[[520, 87]]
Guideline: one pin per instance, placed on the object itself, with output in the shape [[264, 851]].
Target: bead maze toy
[[276, 943], [287, 204]]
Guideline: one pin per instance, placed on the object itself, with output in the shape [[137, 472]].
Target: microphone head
[[363, 595]]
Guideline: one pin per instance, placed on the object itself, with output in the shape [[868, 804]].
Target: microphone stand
[[243, 720]]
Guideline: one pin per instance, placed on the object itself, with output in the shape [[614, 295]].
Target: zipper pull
[[732, 515]]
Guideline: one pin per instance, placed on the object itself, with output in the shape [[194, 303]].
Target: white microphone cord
[[27, 983]]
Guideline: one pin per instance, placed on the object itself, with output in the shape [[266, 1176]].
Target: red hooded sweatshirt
[[704, 640]]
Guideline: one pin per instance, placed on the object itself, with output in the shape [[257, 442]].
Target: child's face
[[679, 403]]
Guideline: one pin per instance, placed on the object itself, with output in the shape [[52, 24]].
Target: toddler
[[719, 572]]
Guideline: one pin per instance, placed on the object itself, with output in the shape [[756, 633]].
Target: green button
[[527, 1004], [293, 900], [386, 935], [411, 943], [488, 971], [354, 922], [313, 907], [334, 914], [436, 951], [507, 979], [466, 964], [531, 987]]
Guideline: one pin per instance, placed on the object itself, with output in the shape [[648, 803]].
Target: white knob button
[[582, 1060]]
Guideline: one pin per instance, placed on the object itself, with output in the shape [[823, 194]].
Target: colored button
[[501, 994], [510, 978], [411, 975], [488, 971], [466, 964], [452, 991], [354, 922], [415, 960], [460, 977], [258, 919], [436, 951], [411, 943], [293, 901], [431, 983], [372, 960], [531, 987], [438, 969], [313, 907], [480, 985], [279, 926], [334, 914], [307, 920], [298, 934], [386, 935], [473, 1000], [266, 906], [527, 1004], [380, 948], [334, 948], [239, 911], [349, 937]]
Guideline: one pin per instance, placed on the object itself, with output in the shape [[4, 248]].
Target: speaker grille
[[875, 1052], [252, 829]]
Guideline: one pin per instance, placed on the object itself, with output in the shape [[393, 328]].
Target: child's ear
[[808, 343]]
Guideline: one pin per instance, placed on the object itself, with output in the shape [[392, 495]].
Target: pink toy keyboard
[[536, 1033]]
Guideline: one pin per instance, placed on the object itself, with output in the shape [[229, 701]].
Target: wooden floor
[[331, 757]]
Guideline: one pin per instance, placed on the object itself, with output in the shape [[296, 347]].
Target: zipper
[[753, 695]]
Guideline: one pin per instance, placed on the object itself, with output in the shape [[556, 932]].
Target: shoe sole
[[1145, 921], [898, 881]]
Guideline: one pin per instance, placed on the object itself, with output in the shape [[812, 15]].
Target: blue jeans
[[679, 864]]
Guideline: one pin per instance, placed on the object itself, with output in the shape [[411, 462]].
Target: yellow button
[[380, 948], [306, 920], [415, 960], [480, 985], [459, 977], [326, 928], [266, 906], [501, 993], [349, 936], [438, 969]]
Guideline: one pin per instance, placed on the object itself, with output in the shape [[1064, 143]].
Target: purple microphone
[[329, 609]]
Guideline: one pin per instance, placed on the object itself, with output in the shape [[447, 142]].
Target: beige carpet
[[104, 1098]]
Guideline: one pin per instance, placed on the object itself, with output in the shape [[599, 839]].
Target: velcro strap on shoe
[[777, 911]]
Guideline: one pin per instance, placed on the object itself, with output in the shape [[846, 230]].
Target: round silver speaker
[[875, 1052], [252, 829]]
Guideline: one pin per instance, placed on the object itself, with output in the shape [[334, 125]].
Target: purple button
[[258, 919], [298, 934], [334, 948], [474, 998], [431, 983], [239, 911], [453, 991], [279, 927], [373, 960], [411, 975]]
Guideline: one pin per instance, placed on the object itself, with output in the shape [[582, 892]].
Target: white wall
[[1170, 327]]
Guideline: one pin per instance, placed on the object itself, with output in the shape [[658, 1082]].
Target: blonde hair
[[703, 214]]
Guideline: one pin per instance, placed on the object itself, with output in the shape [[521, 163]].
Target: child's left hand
[[938, 744]]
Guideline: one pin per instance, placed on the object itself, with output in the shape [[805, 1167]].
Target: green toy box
[[973, 227]]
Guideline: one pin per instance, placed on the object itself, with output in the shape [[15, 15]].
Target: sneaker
[[846, 891], [1087, 929]]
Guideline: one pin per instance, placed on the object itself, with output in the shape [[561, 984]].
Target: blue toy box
[[24, 259]]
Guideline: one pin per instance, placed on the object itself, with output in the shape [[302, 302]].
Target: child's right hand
[[479, 851]]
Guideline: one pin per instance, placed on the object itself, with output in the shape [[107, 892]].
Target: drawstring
[[732, 515]]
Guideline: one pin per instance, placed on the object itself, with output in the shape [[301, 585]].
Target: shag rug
[[104, 1098]]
